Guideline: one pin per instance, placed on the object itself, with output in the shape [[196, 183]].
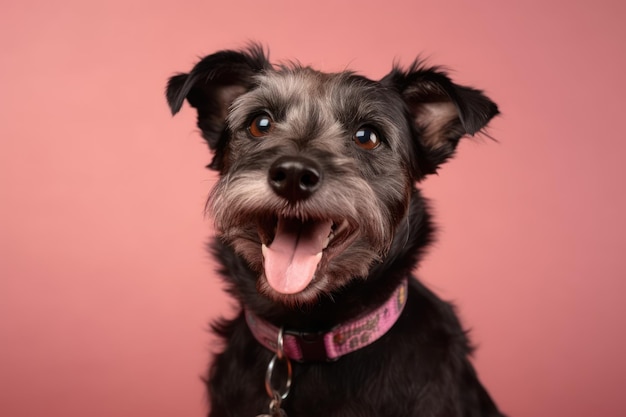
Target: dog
[[319, 226]]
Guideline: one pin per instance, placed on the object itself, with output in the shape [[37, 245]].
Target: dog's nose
[[294, 178]]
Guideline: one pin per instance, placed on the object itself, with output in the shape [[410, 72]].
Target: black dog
[[320, 226]]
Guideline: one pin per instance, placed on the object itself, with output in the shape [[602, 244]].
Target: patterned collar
[[340, 340]]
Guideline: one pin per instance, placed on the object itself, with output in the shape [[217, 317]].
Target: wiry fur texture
[[381, 227]]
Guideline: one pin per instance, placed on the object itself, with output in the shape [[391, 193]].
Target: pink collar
[[340, 340]]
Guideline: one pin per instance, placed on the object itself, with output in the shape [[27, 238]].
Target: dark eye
[[260, 126], [366, 138]]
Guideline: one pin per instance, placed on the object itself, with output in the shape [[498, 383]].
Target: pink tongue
[[292, 258]]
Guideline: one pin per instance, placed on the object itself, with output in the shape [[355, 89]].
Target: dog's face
[[317, 170], [314, 180]]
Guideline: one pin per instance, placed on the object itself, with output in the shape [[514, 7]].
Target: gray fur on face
[[364, 192]]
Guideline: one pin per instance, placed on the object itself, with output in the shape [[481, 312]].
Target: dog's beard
[[304, 250]]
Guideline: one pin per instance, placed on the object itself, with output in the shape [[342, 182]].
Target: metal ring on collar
[[280, 355]]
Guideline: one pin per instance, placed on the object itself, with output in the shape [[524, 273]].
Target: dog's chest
[[398, 373]]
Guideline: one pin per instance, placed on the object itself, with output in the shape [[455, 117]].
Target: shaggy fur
[[364, 191]]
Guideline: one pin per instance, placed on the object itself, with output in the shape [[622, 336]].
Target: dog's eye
[[260, 126], [366, 138]]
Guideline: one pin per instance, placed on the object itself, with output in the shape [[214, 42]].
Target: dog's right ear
[[213, 84]]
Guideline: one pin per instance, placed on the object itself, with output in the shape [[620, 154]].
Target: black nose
[[294, 178]]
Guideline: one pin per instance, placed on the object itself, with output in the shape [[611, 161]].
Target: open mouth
[[295, 250]]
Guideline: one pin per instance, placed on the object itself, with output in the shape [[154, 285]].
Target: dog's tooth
[[264, 249]]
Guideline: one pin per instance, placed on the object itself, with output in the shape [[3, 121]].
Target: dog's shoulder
[[433, 325]]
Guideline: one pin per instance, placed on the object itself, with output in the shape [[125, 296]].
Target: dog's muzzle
[[296, 249]]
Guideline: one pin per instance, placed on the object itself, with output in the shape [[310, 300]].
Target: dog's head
[[317, 169]]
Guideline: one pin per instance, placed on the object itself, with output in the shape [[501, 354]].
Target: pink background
[[106, 290]]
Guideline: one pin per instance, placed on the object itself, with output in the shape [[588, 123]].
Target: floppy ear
[[213, 84], [441, 112]]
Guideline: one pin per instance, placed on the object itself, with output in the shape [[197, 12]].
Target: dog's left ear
[[442, 112]]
